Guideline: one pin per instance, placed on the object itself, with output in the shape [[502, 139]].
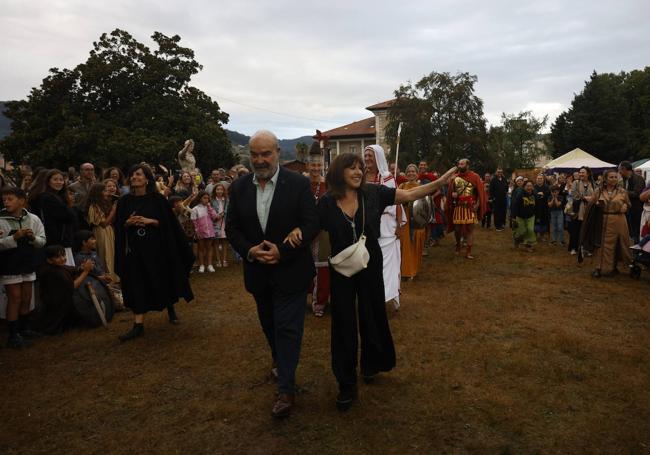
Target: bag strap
[[363, 216]]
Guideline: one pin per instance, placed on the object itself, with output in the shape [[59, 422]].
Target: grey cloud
[[328, 60]]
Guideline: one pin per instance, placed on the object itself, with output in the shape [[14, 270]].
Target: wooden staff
[[399, 133], [99, 306]]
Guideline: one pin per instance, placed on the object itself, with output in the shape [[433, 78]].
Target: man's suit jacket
[[292, 206]]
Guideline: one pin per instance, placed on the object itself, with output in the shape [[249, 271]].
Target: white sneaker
[[201, 269], [210, 268]]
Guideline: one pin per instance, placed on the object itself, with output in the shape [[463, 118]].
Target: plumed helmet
[[421, 212]]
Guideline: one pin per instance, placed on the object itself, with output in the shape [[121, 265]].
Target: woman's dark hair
[[146, 170], [80, 237], [41, 184], [120, 178], [54, 251], [197, 199], [96, 197], [335, 180]]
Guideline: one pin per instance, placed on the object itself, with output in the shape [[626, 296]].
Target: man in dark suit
[[264, 208], [499, 195], [634, 185]]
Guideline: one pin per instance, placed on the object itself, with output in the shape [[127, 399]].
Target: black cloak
[[153, 263]]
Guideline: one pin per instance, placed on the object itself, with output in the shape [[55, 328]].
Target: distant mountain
[[5, 123], [287, 146]]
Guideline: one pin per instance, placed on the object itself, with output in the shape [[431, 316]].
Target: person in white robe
[[377, 172]]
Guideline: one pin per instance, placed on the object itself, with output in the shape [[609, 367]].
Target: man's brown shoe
[[282, 407]]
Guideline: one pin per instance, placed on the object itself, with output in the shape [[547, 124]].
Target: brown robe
[[616, 238]]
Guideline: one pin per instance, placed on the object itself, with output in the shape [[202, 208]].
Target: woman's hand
[[294, 238], [447, 175], [141, 221], [148, 221]]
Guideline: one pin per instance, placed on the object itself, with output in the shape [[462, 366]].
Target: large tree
[[442, 120], [609, 118], [517, 142], [124, 105]]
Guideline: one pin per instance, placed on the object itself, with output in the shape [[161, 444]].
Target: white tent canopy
[[645, 170], [575, 159]]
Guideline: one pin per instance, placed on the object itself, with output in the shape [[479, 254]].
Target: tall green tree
[[125, 104], [609, 118], [517, 142], [637, 93], [442, 120]]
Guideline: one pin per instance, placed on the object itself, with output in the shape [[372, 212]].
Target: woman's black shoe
[[346, 397], [135, 332], [171, 313]]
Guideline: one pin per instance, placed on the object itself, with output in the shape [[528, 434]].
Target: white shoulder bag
[[354, 258]]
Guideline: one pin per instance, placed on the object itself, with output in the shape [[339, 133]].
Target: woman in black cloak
[[347, 210], [152, 257]]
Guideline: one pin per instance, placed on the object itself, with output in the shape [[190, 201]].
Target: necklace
[[350, 220], [317, 193]]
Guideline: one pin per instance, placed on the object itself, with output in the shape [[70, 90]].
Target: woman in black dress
[[50, 201], [341, 212], [152, 256]]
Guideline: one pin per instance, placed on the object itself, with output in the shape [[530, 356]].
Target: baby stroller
[[640, 257]]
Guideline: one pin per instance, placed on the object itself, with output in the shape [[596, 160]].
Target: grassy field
[[510, 353]]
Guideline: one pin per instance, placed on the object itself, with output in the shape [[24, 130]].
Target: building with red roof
[[355, 136]]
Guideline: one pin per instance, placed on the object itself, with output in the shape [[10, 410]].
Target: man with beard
[[391, 220], [467, 205], [265, 206], [634, 185], [499, 196]]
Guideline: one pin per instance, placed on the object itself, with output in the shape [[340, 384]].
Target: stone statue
[[186, 157]]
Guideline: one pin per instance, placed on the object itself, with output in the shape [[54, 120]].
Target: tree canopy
[[442, 120], [125, 104], [610, 118], [516, 143]]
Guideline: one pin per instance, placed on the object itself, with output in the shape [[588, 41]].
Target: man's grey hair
[[264, 133]]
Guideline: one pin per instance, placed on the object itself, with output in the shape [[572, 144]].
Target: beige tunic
[[105, 239]]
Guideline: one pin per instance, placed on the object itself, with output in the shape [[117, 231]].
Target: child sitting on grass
[[21, 233], [57, 283], [85, 249]]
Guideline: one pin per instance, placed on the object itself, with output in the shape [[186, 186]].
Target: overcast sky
[[321, 63]]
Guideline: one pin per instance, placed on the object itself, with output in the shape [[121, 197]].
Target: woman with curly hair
[[100, 213]]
